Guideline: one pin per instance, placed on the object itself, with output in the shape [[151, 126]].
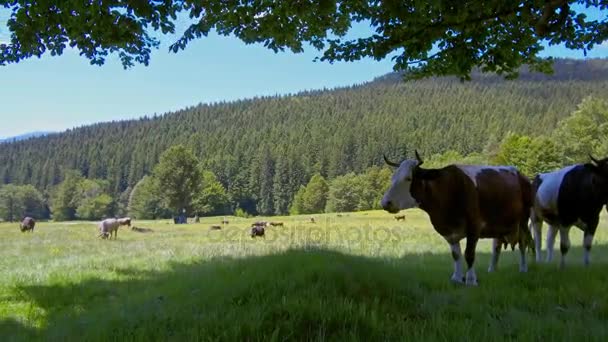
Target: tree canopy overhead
[[426, 38]]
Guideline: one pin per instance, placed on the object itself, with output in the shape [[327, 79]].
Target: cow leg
[[523, 245], [588, 239], [551, 232], [469, 256], [496, 244], [457, 276], [564, 244], [536, 226]]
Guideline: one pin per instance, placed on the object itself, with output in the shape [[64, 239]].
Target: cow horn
[[390, 162], [420, 161], [597, 162]]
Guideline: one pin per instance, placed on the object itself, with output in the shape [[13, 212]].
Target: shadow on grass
[[317, 294]]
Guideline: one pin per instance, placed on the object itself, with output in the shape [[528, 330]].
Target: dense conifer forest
[[264, 150]]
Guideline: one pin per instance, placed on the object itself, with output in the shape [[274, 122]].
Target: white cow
[[109, 226]]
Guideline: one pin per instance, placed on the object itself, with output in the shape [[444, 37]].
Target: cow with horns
[[571, 196], [466, 201]]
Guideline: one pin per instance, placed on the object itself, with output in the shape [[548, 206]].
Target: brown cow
[[276, 223], [257, 231], [400, 217], [466, 201], [28, 223], [215, 227]]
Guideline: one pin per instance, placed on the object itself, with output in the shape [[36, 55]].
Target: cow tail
[[528, 193]]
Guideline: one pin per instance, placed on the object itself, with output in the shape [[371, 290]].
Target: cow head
[[399, 196], [600, 166], [600, 181]]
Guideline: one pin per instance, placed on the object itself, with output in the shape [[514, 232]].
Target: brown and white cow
[[27, 224], [466, 201]]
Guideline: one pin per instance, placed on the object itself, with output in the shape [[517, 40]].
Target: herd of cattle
[[480, 201], [497, 202]]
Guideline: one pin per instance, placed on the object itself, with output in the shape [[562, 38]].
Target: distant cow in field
[[466, 201], [312, 220], [277, 224], [257, 231], [260, 224], [109, 226], [225, 221], [215, 227], [339, 215], [141, 230], [400, 217], [571, 196], [27, 224]]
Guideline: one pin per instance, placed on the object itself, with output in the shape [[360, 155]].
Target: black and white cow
[[571, 196], [466, 201]]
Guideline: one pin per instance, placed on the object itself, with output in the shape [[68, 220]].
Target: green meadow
[[359, 277]]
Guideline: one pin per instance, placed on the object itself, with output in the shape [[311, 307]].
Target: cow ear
[[420, 161]]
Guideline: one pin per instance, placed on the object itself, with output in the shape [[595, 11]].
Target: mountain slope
[[25, 136], [246, 143]]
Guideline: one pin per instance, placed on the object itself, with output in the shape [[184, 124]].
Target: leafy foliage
[[312, 197], [212, 199], [495, 35], [16, 202], [179, 178], [585, 131], [145, 202]]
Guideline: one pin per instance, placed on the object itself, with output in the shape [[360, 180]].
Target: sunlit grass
[[363, 276]]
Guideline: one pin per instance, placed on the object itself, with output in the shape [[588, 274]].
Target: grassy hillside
[[360, 277], [331, 131]]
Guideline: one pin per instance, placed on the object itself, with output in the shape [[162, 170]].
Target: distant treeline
[[264, 151]]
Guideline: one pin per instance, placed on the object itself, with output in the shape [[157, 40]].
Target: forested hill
[[263, 144]]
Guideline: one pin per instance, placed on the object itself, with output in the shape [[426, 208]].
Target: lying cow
[[571, 196], [466, 201], [141, 230], [257, 231], [400, 217], [260, 224], [215, 227], [27, 224], [276, 224], [109, 226]]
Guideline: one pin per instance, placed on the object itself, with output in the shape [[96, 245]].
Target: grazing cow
[[276, 223], [339, 215], [215, 227], [466, 201], [28, 223], [400, 217], [225, 221], [312, 220], [260, 224], [257, 231], [571, 196], [109, 226]]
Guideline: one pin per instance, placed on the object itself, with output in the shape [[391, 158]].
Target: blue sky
[[56, 93]]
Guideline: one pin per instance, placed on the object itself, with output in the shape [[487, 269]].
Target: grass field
[[359, 277]]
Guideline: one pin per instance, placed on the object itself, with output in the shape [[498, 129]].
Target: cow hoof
[[472, 282], [523, 269], [457, 279], [491, 269]]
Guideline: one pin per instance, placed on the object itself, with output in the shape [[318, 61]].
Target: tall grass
[[360, 277]]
